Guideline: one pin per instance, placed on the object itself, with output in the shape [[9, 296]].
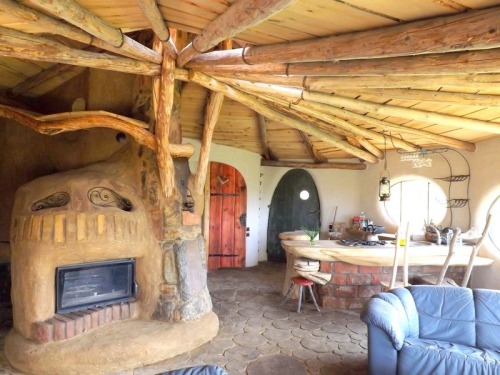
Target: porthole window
[[418, 201], [493, 233], [304, 195]]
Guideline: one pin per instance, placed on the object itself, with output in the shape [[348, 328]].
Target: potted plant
[[312, 233]]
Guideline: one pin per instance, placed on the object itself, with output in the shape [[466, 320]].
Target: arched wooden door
[[227, 222], [288, 211]]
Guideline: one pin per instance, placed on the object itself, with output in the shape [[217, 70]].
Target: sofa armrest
[[388, 318]]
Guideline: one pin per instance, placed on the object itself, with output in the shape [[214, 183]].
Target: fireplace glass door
[[82, 286]]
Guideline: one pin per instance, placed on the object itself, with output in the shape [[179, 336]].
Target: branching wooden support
[[72, 121], [211, 116]]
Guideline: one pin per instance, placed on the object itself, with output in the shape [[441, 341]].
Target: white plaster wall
[[336, 188], [485, 187], [355, 191], [248, 164]]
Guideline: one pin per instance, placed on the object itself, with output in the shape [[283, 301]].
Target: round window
[[417, 201]]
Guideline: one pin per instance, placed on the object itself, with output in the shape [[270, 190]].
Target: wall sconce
[[188, 204], [384, 185]]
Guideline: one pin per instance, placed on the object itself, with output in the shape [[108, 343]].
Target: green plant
[[312, 233]]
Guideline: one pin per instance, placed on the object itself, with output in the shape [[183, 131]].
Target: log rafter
[[479, 29], [26, 46], [152, 13], [257, 106], [128, 47], [385, 109], [239, 16]]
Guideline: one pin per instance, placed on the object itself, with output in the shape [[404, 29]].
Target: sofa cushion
[[487, 319], [446, 314], [423, 356]]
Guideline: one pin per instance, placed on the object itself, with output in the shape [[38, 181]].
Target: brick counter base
[[351, 285]]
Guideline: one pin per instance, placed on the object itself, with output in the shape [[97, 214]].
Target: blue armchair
[[433, 330]]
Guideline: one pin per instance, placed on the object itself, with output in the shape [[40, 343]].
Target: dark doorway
[[295, 204]]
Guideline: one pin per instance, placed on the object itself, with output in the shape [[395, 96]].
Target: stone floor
[[257, 336]]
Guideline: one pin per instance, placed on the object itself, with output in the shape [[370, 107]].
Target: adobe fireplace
[[93, 292]]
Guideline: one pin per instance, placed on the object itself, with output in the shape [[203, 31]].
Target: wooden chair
[[403, 232], [475, 250], [441, 279]]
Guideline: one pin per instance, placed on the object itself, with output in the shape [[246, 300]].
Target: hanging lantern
[[384, 185]]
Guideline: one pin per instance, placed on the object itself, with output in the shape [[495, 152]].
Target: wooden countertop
[[420, 254]]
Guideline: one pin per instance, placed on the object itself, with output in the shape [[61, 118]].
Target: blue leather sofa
[[433, 330]]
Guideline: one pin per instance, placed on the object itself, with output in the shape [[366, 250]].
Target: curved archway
[[295, 203]]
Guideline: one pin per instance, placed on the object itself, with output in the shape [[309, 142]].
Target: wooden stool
[[301, 282]]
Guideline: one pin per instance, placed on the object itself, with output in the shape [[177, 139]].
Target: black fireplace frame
[[130, 287]]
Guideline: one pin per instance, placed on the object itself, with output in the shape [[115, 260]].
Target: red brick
[[386, 269], [133, 309], [431, 269], [347, 291], [325, 267], [70, 325], [341, 267], [378, 278], [338, 279], [87, 320], [59, 329], [125, 310], [368, 290], [370, 269], [335, 303], [94, 317], [43, 332], [359, 279], [79, 323], [116, 312], [101, 313], [108, 314]]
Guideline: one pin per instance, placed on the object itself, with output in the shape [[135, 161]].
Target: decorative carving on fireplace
[[58, 199], [105, 197]]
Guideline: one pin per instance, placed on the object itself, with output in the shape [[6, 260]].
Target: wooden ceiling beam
[[32, 47], [212, 113], [254, 104], [72, 121], [333, 84], [152, 13], [317, 156], [241, 15], [47, 75], [453, 63], [472, 30], [322, 105], [444, 97], [129, 47], [264, 143], [296, 164], [318, 111], [384, 109]]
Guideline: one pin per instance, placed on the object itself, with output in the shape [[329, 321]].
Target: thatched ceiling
[[310, 80]]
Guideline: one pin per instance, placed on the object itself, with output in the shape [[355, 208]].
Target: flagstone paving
[[258, 335]]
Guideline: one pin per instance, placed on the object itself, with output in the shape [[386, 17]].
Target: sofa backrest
[[445, 313], [487, 306]]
